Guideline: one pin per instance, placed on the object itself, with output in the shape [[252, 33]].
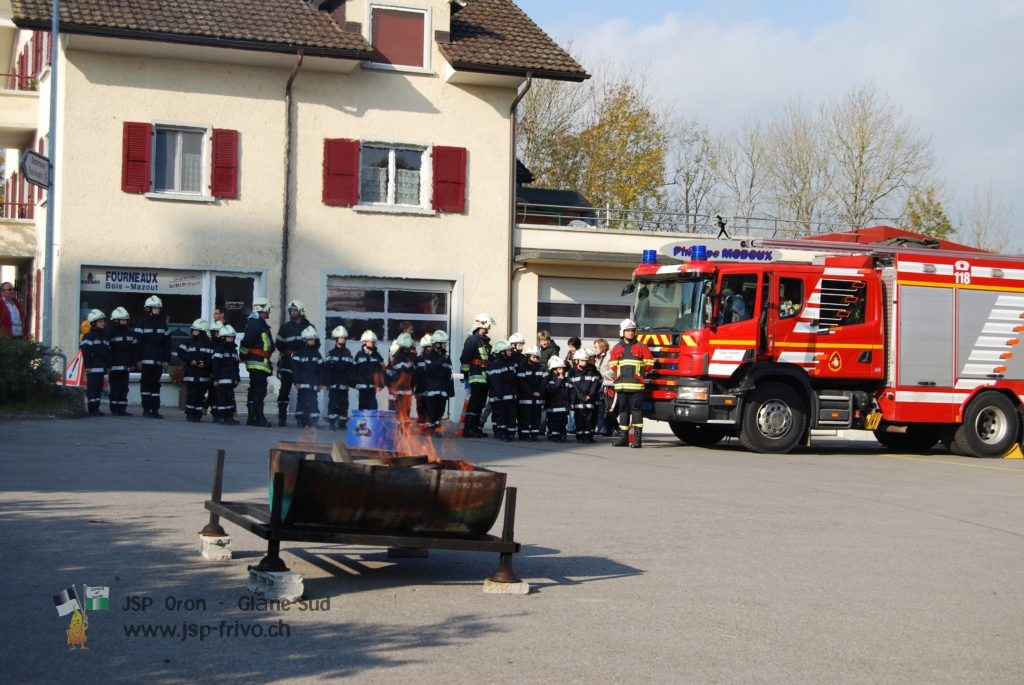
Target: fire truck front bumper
[[696, 402]]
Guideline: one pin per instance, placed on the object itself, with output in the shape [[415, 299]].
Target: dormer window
[[399, 35]]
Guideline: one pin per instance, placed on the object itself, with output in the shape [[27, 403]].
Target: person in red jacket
[[630, 361], [12, 315]]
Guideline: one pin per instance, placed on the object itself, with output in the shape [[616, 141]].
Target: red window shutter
[[341, 172], [224, 181], [135, 166], [449, 179]]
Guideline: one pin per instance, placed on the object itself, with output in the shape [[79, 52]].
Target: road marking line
[[950, 463]]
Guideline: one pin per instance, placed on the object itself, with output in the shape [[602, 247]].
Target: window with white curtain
[[391, 176], [178, 160]]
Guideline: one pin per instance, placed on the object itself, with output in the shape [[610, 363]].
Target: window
[[400, 36], [390, 176], [736, 302], [383, 307], [393, 175], [791, 297], [179, 160]]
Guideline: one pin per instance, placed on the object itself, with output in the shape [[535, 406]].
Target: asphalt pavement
[[839, 563]]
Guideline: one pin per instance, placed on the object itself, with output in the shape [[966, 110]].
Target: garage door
[[582, 307]]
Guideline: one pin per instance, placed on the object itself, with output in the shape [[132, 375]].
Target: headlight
[[692, 393]]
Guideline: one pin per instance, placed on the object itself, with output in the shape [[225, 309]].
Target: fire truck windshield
[[678, 304]]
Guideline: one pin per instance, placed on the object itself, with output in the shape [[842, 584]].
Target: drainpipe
[[523, 90], [286, 223]]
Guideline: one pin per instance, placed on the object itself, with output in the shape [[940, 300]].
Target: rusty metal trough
[[372, 498]]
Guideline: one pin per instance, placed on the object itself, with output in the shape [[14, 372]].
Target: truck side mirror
[[630, 287]]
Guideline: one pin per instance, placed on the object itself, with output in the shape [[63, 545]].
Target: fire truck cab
[[915, 347]]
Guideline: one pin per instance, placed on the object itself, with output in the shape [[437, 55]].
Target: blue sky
[[954, 69]]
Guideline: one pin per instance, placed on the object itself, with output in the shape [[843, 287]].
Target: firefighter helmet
[[483, 321], [580, 355], [339, 332], [297, 306], [308, 333], [515, 338], [154, 301], [427, 340], [96, 315], [440, 337], [261, 304], [556, 363], [532, 351], [626, 325], [393, 350], [501, 346], [216, 327], [201, 325], [404, 340], [120, 314], [227, 331], [368, 336]]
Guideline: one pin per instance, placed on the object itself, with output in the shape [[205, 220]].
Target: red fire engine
[[914, 344]]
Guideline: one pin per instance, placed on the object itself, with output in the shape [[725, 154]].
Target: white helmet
[[297, 306], [556, 363], [308, 333], [393, 350], [483, 321], [427, 340], [261, 304], [215, 327], [515, 338], [201, 325], [440, 337], [368, 336], [227, 331], [120, 314], [501, 346], [96, 315], [154, 301], [580, 355], [626, 325], [532, 351], [404, 340], [339, 332]]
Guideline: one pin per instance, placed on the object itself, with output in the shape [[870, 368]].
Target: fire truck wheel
[[990, 427], [697, 434], [773, 419]]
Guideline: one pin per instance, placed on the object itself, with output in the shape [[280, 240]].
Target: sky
[[954, 69]]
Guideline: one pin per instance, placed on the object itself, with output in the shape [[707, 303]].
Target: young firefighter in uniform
[[585, 392], [531, 378], [124, 349], [154, 355], [224, 371], [95, 360], [501, 390], [426, 345], [255, 349], [476, 353], [399, 375], [556, 398], [368, 372], [338, 375], [289, 341], [435, 378], [307, 367], [196, 354], [630, 361], [210, 401]]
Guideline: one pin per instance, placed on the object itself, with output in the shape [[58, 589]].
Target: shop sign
[[128, 280]]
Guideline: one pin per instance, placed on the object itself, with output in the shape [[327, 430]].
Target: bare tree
[[741, 166], [691, 174], [799, 170], [877, 156], [549, 118], [987, 223]]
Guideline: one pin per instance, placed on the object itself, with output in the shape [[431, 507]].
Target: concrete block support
[[215, 547], [276, 584], [520, 587]]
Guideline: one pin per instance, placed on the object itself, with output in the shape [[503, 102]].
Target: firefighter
[[338, 377], [556, 399], [530, 377], [196, 354], [289, 341], [154, 355], [224, 372], [307, 369], [95, 360], [476, 352], [585, 392], [630, 362], [426, 346], [368, 373], [501, 390], [124, 348], [435, 379], [256, 348], [399, 375]]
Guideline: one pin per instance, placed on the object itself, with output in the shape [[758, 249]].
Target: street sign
[[35, 168]]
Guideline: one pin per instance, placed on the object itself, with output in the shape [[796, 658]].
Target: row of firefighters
[[518, 388]]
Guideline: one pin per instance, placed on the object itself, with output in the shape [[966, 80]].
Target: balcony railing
[[17, 210]]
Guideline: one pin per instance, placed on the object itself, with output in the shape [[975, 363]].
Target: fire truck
[[917, 345]]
